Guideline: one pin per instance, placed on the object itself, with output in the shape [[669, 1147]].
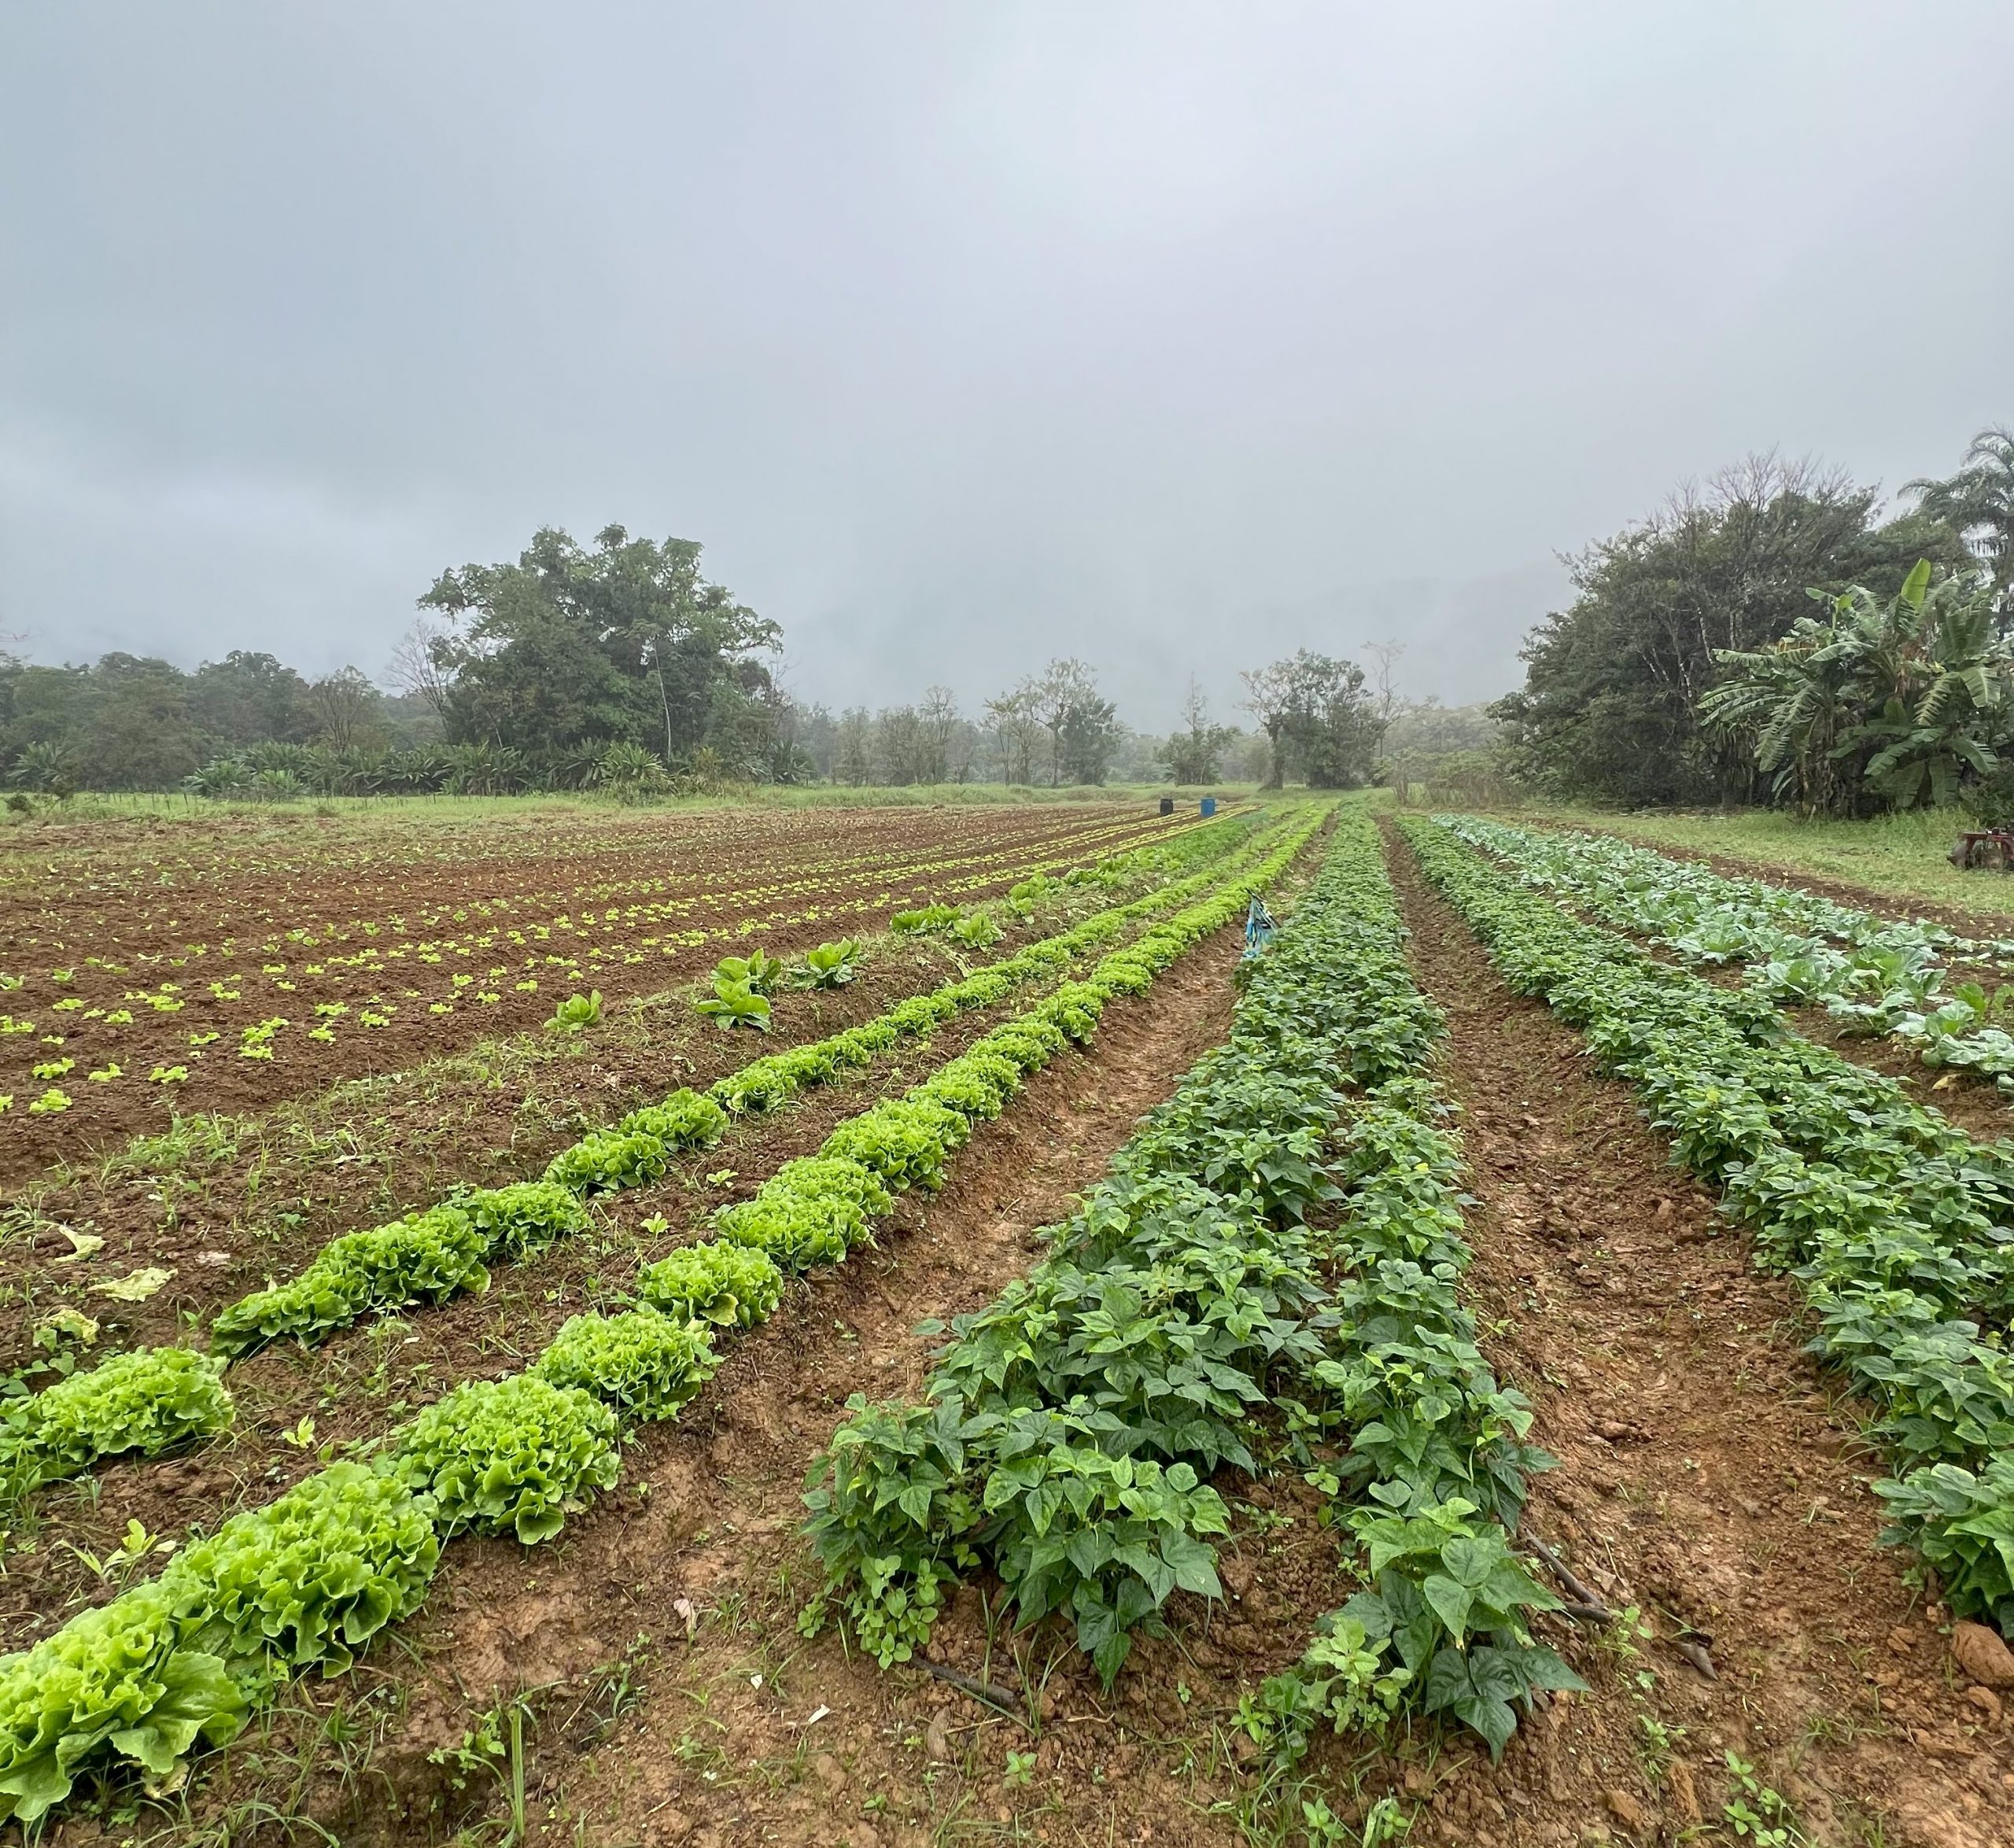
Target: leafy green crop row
[[1068, 1433], [1892, 1221], [148, 1400], [150, 1403], [310, 1577], [1800, 949]]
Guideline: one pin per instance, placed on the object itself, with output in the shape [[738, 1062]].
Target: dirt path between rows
[[1704, 1478], [679, 1591]]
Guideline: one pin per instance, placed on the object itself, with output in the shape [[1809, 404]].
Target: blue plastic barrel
[[1209, 806]]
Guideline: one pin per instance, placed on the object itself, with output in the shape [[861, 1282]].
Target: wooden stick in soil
[[987, 1693], [1586, 1605]]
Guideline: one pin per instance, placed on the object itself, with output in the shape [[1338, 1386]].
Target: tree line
[[1778, 636], [619, 666]]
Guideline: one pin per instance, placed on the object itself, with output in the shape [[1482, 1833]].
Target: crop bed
[[306, 1579], [148, 982], [1895, 1223], [1916, 982]]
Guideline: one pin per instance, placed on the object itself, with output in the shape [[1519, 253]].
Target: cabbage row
[[1266, 1274], [183, 1659], [1876, 974], [1894, 1223], [150, 1400]]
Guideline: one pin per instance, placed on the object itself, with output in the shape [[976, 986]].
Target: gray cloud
[[1168, 336]]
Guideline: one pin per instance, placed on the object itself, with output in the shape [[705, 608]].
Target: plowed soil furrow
[[694, 1567], [1706, 1479]]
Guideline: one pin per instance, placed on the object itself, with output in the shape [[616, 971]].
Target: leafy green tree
[[1091, 736], [1609, 709], [247, 697], [1195, 754], [1318, 716], [141, 734], [1269, 697], [344, 707], [626, 641]]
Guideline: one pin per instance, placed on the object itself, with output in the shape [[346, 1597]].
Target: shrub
[[518, 1453]]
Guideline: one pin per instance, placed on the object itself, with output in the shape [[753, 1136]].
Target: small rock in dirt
[[1684, 1792], [1901, 1637], [1981, 1655], [1626, 1810], [1987, 1700], [937, 1736], [829, 1771]]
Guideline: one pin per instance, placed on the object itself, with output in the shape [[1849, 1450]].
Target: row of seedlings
[[182, 1660], [1894, 1224]]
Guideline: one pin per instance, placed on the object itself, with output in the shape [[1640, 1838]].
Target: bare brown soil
[[608, 907], [1707, 1477]]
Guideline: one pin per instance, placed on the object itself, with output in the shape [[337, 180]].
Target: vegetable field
[[153, 978], [905, 1335]]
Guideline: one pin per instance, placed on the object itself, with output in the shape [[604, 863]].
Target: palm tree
[[1978, 502]]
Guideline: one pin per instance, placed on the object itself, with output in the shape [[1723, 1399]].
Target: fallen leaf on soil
[[143, 1283], [83, 1244]]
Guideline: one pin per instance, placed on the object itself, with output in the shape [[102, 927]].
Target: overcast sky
[[962, 335]]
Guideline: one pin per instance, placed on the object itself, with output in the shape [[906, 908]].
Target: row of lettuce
[[1894, 1224], [1266, 1278], [182, 1660], [148, 1400], [1875, 975]]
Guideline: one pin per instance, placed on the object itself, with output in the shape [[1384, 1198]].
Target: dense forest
[[1776, 636], [619, 667]]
